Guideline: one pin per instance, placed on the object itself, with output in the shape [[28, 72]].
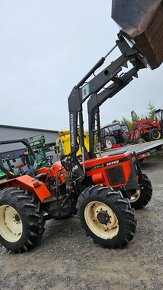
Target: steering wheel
[[65, 161], [47, 158]]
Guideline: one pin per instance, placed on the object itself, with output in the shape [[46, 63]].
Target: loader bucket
[[142, 20]]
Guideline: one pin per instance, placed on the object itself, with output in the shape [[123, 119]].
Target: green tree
[[151, 110], [115, 121], [134, 117], [128, 123]]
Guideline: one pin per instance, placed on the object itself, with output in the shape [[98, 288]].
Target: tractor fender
[[29, 183]]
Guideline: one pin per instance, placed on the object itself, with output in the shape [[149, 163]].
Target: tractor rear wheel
[[154, 134], [125, 139], [21, 220], [106, 216], [143, 195]]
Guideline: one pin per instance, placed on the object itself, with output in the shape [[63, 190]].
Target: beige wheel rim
[[11, 227], [157, 135], [109, 144], [101, 220], [135, 196]]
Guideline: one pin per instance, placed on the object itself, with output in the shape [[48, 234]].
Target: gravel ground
[[67, 259]]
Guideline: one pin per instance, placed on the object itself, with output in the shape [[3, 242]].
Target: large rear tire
[[109, 142], [125, 139], [143, 195], [21, 220], [154, 134], [106, 216]]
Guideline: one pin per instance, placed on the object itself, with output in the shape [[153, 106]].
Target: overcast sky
[[46, 47]]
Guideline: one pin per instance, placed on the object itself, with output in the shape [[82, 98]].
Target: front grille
[[115, 175]]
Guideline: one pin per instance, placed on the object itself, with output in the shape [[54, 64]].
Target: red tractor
[[113, 136], [159, 117], [146, 130], [102, 190]]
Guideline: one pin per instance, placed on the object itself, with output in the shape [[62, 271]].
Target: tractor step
[[47, 200]]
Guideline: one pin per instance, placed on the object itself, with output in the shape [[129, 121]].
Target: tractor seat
[[41, 177]]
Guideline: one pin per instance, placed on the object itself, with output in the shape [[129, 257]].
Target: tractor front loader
[[103, 191]]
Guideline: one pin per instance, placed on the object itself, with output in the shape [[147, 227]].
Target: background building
[[13, 132]]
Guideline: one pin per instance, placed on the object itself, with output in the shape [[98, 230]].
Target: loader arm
[[86, 88], [96, 100]]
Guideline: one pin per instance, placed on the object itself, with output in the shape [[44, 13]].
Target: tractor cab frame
[[159, 117]]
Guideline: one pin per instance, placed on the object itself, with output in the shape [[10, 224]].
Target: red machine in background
[[148, 129]]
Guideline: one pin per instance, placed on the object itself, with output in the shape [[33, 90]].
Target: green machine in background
[[44, 154], [41, 150]]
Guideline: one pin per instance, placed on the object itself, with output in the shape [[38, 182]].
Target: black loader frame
[[94, 89]]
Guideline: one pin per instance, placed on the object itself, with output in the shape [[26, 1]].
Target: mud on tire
[[106, 216], [21, 220]]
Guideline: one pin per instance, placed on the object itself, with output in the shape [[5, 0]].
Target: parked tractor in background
[[145, 130], [158, 116], [103, 191], [148, 129], [113, 135], [43, 153]]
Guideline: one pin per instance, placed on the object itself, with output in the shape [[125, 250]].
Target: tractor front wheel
[[21, 220], [106, 216]]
